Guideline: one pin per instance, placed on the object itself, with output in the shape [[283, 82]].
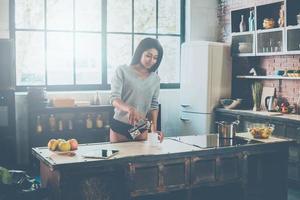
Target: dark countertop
[[263, 114]]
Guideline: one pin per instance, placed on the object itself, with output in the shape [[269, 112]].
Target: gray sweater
[[140, 93]]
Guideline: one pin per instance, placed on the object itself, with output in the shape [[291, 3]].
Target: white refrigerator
[[205, 78]]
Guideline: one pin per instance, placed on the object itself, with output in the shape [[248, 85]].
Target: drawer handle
[[185, 105], [185, 119]]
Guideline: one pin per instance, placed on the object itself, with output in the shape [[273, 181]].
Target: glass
[[88, 58], [267, 41], [145, 16], [29, 14], [88, 15], [119, 52], [119, 15], [60, 14], [60, 58], [169, 16], [30, 58], [169, 69]]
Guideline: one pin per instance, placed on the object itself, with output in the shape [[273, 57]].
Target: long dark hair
[[144, 45]]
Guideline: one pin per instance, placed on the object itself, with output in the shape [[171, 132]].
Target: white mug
[[153, 138]]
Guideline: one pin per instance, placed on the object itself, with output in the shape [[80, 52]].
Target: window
[[75, 44]]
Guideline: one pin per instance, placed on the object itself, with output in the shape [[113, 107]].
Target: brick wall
[[289, 88]]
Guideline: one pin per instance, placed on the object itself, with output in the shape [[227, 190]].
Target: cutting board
[[267, 91]]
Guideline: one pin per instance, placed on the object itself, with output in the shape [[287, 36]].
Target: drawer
[[294, 152], [216, 170], [294, 171], [292, 132], [203, 170], [154, 177], [229, 168]]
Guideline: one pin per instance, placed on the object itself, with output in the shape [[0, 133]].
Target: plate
[[66, 153]]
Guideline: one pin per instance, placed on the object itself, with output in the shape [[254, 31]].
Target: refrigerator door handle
[[185, 105], [185, 119]]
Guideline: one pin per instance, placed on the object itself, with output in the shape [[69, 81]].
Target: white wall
[[201, 24], [4, 19], [201, 20]]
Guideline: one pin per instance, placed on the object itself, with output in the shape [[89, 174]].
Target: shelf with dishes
[[267, 29], [268, 77]]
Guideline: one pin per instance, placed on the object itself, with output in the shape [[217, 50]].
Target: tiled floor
[[294, 194]]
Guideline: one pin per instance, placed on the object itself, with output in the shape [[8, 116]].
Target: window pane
[[29, 14], [30, 55], [118, 52], [60, 14], [119, 15], [60, 58], [88, 15], [170, 65], [145, 16], [88, 58], [169, 16]]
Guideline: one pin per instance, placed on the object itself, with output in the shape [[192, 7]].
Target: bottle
[[242, 24], [39, 127], [99, 121], [52, 123], [89, 122], [97, 101], [60, 125], [298, 104], [251, 21], [70, 125]]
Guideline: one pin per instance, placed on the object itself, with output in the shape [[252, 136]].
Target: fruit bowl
[[261, 131], [230, 103]]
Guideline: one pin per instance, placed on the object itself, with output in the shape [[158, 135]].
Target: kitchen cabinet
[[175, 170], [268, 37], [283, 128]]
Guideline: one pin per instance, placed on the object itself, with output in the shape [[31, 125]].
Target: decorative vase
[[256, 107]]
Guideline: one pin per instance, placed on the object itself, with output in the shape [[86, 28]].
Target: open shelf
[[293, 9], [236, 19], [268, 11], [269, 77], [281, 39]]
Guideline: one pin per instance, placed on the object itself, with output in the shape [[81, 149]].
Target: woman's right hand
[[133, 115]]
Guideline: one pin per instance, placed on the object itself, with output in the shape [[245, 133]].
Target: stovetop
[[213, 141]]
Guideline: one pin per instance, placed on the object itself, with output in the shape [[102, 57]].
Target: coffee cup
[[153, 139]]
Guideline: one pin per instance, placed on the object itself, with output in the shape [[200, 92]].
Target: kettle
[[271, 103]]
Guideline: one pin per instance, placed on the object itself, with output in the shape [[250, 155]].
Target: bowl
[[230, 103], [260, 130], [245, 47]]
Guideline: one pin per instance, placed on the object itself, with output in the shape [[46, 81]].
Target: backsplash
[[288, 89]]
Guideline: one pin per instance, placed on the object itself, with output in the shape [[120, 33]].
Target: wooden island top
[[168, 167]]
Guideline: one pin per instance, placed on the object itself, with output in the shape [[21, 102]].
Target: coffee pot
[[271, 103]]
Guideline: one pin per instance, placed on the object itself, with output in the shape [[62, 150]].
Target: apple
[[74, 143], [64, 146], [53, 144]]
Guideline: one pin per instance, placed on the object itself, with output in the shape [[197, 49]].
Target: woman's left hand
[[160, 136]]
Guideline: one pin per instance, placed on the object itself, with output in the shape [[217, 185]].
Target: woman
[[135, 91]]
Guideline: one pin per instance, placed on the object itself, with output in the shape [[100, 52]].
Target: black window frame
[[104, 85]]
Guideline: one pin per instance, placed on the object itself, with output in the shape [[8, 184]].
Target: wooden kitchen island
[[178, 168]]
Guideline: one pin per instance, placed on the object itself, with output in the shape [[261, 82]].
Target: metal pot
[[227, 129]]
